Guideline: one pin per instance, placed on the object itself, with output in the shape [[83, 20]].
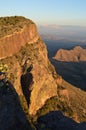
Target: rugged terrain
[[77, 54], [40, 89]]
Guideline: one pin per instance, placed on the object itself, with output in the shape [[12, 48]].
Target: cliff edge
[[15, 32]]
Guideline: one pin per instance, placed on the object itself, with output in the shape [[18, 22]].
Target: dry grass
[[9, 25]]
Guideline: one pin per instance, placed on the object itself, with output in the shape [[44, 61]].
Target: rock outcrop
[[76, 55], [13, 38], [20, 48]]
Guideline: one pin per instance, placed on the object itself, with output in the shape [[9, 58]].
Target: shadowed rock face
[[75, 55], [55, 120], [12, 116]]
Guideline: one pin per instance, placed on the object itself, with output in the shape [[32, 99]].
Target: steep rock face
[[75, 55], [21, 50], [43, 85], [11, 42]]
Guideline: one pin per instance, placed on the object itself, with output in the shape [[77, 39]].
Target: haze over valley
[[63, 32], [66, 37]]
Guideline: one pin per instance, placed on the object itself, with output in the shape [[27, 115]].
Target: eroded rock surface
[[20, 48]]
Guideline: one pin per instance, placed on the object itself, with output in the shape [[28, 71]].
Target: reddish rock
[[75, 55], [10, 44]]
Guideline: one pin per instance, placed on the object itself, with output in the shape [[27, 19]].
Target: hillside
[[23, 57], [77, 54]]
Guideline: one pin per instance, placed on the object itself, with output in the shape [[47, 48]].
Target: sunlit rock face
[[22, 47], [15, 34]]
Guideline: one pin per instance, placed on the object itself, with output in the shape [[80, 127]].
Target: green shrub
[[4, 67]]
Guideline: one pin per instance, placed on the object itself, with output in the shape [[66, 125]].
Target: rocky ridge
[[77, 54]]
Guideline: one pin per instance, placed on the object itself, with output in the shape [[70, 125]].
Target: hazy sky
[[60, 12]]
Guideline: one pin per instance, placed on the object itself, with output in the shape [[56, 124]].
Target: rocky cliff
[[21, 47], [12, 39], [75, 55], [24, 56]]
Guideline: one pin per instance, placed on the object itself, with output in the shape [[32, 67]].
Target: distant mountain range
[[59, 32]]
